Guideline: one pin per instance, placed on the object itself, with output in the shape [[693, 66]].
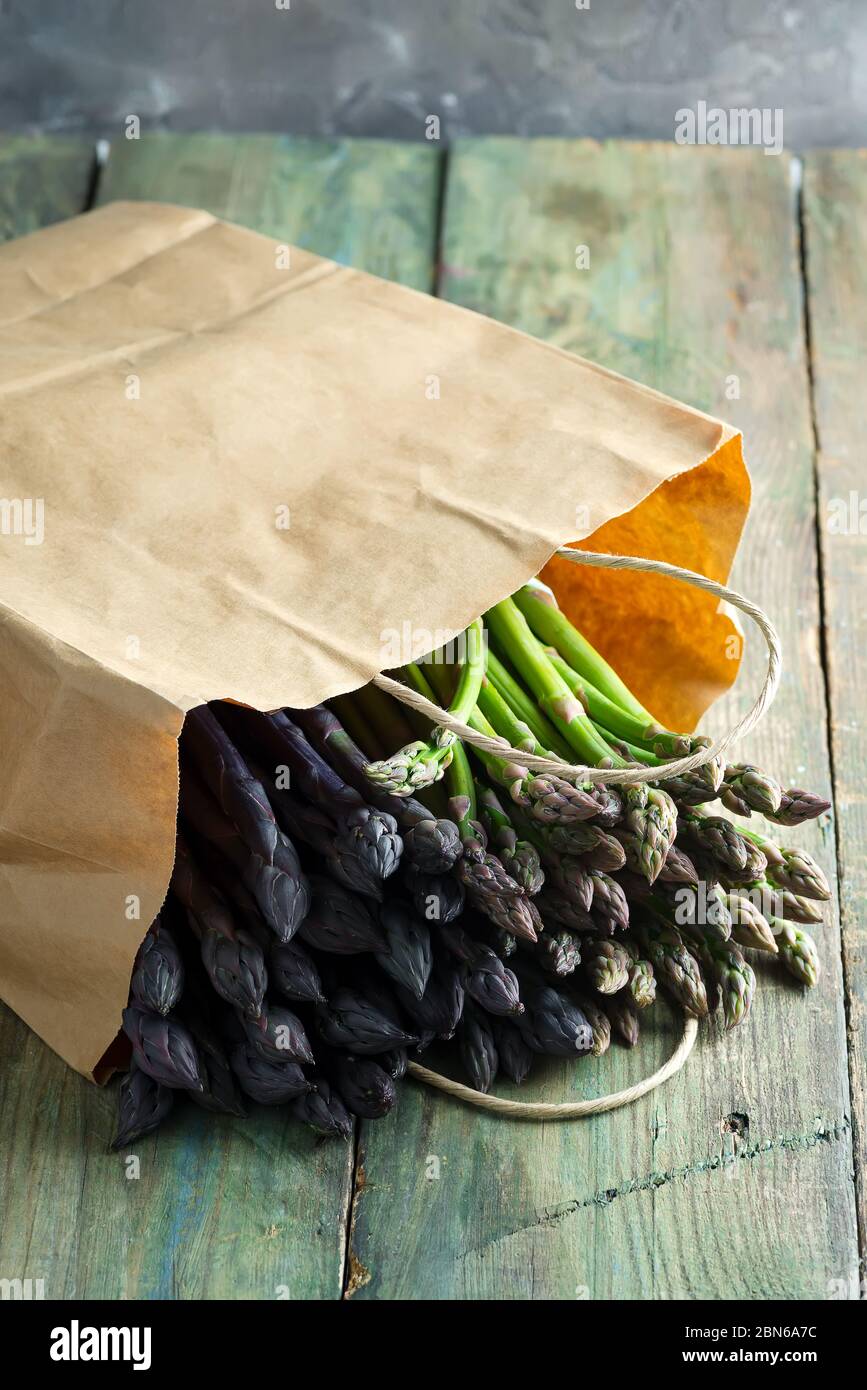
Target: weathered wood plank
[[221, 1209], [42, 179], [371, 204], [835, 226], [682, 295]]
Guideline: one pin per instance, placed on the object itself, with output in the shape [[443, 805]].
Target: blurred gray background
[[380, 67]]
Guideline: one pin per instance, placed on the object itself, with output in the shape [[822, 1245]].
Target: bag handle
[[536, 1110], [627, 776], [565, 1110]]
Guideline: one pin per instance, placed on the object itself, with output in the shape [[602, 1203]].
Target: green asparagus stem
[[525, 709], [419, 763], [512, 632], [552, 627]]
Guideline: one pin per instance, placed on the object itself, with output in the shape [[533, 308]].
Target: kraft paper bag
[[229, 470]]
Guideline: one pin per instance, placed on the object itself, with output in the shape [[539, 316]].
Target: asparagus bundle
[[352, 886]]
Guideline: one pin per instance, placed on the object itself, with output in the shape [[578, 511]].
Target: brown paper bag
[[231, 469]]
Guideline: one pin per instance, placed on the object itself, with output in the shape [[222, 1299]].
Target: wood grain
[[735, 1180], [220, 1209], [835, 219], [43, 179], [371, 204]]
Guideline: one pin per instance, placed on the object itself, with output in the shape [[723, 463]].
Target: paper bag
[[233, 469]]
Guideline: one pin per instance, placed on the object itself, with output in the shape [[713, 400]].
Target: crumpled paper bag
[[232, 469]]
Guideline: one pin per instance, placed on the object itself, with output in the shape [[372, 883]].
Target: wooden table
[[711, 278]]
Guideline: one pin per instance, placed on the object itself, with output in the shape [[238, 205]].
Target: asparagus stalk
[[143, 1104], [419, 763], [606, 964], [675, 969], [433, 845], [271, 870], [622, 1012], [599, 1021], [490, 887], [797, 952], [158, 974], [478, 1048]]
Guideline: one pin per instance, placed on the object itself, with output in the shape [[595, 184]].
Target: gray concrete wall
[[380, 67]]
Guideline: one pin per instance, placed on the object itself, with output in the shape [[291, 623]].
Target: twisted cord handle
[[535, 1110], [567, 1110], [499, 747]]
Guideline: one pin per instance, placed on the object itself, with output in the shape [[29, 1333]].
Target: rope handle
[[630, 776], [570, 1110], [535, 1110]]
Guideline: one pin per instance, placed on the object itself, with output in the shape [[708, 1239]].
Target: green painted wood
[[220, 1209], [43, 179], [835, 223], [735, 1180], [371, 204]]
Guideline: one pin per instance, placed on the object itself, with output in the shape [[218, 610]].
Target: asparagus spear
[[562, 910], [519, 857], [278, 1035], [220, 1092], [750, 927], [558, 953], [364, 835], [599, 1021], [435, 897], [489, 886], [552, 626], [733, 975], [293, 972], [266, 1082], [235, 964], [797, 951], [323, 1110], [796, 806], [439, 1010], [513, 694], [158, 972], [751, 788], [306, 824], [393, 1062], [163, 1048], [718, 837], [340, 922], [515, 1057], [487, 980], [143, 1104], [554, 1025], [276, 881], [642, 981], [478, 1048], [431, 845], [351, 1022], [609, 907], [607, 965], [407, 956], [366, 1088], [678, 867], [675, 969], [421, 762], [622, 1012]]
